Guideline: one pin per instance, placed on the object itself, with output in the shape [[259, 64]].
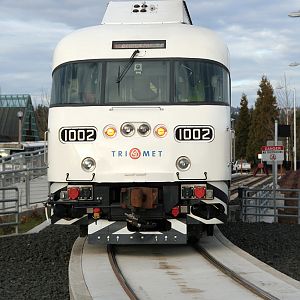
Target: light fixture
[[183, 163], [88, 164], [127, 129], [110, 131], [160, 131], [144, 129]]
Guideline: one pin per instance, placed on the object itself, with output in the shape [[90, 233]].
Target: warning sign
[[272, 153]]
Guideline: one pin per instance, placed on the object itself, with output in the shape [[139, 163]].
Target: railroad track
[[235, 276], [173, 272], [170, 272], [115, 267], [247, 180], [164, 264], [240, 178]]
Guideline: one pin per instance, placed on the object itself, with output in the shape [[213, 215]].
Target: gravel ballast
[[275, 244], [35, 266]]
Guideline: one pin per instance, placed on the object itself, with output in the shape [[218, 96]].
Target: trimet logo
[[136, 153]]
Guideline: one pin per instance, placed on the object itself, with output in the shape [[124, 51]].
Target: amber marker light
[[110, 131], [160, 131]]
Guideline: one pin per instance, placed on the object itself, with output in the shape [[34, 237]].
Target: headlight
[[127, 129], [144, 129], [88, 164], [183, 163]]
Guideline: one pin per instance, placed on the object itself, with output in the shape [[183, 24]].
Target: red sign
[[272, 148]]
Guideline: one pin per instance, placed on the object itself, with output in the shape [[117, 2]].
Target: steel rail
[[114, 264], [240, 178], [233, 275], [235, 189]]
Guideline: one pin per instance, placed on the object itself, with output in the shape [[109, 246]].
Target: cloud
[[26, 54], [261, 38]]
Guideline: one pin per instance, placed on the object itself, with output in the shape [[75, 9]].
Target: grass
[[26, 222]]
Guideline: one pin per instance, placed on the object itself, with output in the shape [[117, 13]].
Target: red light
[[199, 191], [96, 213], [175, 211], [73, 193]]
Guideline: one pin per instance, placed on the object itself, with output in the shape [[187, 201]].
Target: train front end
[[139, 127]]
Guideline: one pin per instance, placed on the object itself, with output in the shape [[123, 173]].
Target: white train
[[139, 126]]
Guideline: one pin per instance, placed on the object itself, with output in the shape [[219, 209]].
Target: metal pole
[[295, 136], [234, 147], [20, 130], [275, 172], [275, 162], [20, 116], [27, 189], [287, 119], [18, 211]]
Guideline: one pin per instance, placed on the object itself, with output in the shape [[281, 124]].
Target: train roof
[[168, 21], [146, 12]]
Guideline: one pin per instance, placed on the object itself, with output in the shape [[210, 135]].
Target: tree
[[263, 118], [41, 115], [242, 128]]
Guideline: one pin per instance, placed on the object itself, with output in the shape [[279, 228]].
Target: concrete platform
[[250, 268]]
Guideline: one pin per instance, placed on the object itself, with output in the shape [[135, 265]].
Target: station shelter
[[10, 106]]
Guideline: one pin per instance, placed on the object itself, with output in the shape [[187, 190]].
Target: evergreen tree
[[242, 129], [263, 118], [41, 115]]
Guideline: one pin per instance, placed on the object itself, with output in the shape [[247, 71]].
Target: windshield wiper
[[122, 74]]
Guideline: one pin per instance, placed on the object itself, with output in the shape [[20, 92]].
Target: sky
[[261, 38]]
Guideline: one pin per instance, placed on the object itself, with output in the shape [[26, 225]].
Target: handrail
[[265, 203], [20, 154], [10, 212], [23, 170]]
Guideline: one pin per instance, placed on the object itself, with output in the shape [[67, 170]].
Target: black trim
[[140, 104], [192, 179], [143, 43], [172, 83], [218, 193], [155, 59], [187, 12], [80, 180], [102, 85]]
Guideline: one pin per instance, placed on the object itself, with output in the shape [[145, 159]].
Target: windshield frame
[[171, 85]]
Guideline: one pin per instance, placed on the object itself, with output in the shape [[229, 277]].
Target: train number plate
[[194, 133], [77, 134]]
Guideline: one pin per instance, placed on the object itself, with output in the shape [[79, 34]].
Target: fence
[[9, 212], [267, 205], [25, 171]]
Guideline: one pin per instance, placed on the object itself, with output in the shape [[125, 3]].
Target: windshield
[[152, 81], [145, 82]]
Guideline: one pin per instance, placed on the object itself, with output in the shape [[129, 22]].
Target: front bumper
[[116, 232]]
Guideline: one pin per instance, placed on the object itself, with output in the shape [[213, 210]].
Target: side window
[[201, 82], [77, 83]]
